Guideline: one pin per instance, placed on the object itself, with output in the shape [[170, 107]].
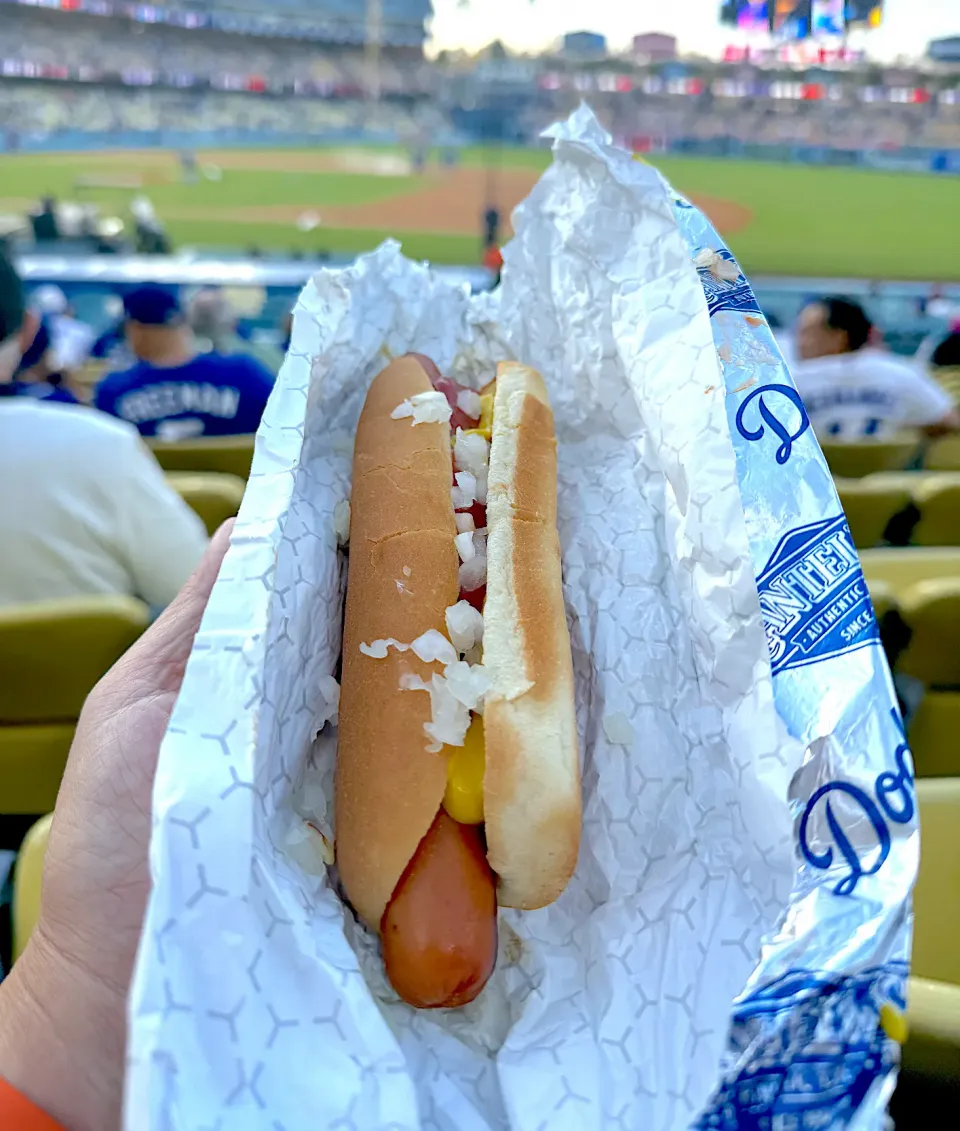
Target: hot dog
[[457, 781]]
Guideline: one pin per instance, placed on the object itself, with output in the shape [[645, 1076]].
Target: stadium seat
[[27, 883], [902, 568], [937, 497], [231, 455], [931, 608], [882, 597], [214, 496], [869, 504], [933, 1012], [943, 454], [933, 735], [51, 655], [853, 461]]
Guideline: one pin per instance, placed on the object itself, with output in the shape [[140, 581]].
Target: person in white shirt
[[85, 507], [853, 391]]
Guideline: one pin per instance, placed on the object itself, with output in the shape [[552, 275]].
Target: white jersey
[[86, 509], [868, 393]]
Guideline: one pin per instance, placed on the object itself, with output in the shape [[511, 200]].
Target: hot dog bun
[[388, 788], [532, 779]]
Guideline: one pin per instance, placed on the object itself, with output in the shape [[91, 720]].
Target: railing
[[900, 308]]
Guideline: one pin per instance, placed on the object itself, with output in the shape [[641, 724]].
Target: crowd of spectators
[[93, 48], [847, 124], [45, 109]]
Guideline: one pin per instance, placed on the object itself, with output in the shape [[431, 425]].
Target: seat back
[[934, 731], [869, 504], [229, 454], [937, 497], [936, 900], [932, 610], [943, 454], [214, 496], [51, 655], [858, 459], [27, 883], [902, 568], [53, 652]]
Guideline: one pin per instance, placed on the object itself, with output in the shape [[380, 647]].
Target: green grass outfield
[[805, 220]]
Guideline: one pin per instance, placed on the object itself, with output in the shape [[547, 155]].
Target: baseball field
[[778, 219]]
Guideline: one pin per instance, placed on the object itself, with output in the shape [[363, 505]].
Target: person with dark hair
[[947, 353], [92, 511], [27, 366], [852, 390], [12, 312], [173, 391]]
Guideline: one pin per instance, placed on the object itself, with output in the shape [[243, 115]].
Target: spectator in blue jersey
[[172, 392]]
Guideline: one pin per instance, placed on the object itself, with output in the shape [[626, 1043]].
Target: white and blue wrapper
[[740, 915]]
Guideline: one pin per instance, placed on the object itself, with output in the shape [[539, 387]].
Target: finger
[[156, 662]]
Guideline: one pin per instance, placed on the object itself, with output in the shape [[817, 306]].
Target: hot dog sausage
[[440, 927]]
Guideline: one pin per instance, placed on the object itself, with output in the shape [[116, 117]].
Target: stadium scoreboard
[[800, 19]]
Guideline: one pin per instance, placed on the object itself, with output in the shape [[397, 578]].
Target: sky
[[530, 25]]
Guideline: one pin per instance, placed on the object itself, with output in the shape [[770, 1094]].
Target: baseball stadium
[[172, 175]]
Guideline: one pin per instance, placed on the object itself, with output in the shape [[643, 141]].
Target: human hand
[[63, 1008]]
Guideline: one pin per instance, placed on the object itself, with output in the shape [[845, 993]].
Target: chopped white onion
[[467, 684], [481, 488], [406, 571], [464, 625], [464, 523], [451, 696], [471, 453], [308, 847], [473, 574], [433, 646], [467, 482], [465, 546], [464, 494], [341, 521], [425, 408], [469, 402], [330, 690], [377, 649]]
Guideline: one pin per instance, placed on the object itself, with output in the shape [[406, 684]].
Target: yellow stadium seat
[[934, 732], [937, 497], [869, 504], [27, 882], [943, 454], [901, 568], [853, 461], [51, 655], [214, 496], [933, 1046], [932, 610], [882, 596], [53, 652], [229, 454]]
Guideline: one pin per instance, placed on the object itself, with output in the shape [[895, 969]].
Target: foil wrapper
[[739, 921]]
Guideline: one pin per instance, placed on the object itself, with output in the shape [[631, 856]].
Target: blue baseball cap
[[153, 305]]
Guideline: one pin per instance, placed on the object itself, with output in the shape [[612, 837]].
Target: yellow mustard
[[463, 798], [485, 427], [894, 1023]]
